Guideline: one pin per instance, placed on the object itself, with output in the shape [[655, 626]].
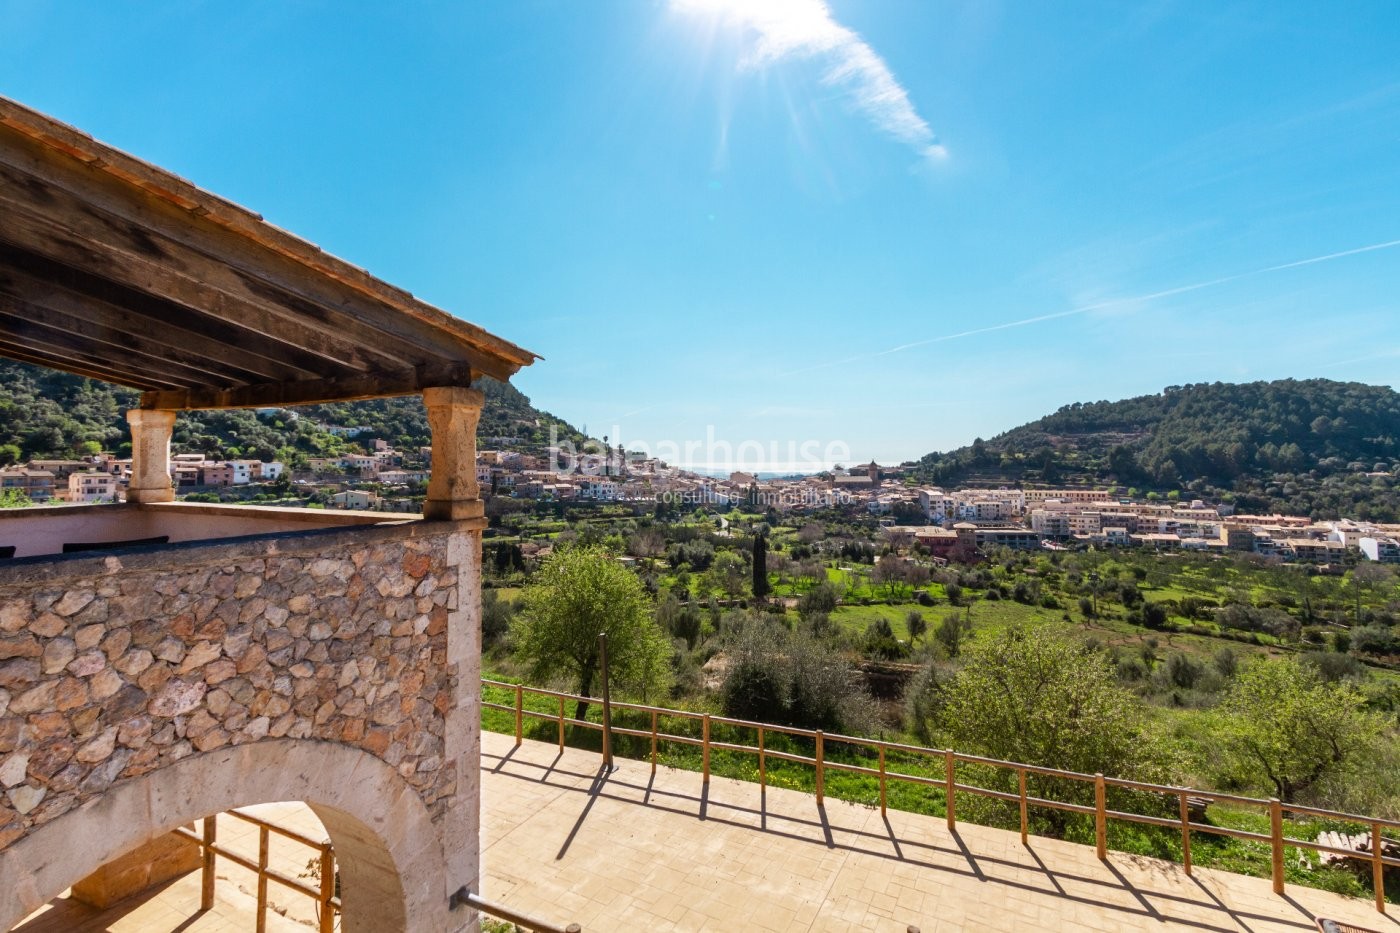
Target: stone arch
[[388, 851]]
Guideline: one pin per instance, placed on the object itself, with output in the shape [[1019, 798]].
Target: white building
[[1381, 550], [92, 487]]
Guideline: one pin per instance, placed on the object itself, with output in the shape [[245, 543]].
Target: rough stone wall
[[113, 667]]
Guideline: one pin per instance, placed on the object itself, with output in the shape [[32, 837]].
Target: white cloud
[[1105, 305], [806, 29]]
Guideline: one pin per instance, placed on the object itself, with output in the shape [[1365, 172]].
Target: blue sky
[[798, 221]]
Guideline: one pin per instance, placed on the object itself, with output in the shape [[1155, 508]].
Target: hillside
[[46, 414], [1310, 447]]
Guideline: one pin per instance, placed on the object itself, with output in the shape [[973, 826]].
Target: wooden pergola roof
[[118, 270]]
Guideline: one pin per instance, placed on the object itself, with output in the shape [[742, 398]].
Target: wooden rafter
[[117, 270]]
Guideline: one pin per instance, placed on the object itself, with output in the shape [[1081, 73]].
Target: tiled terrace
[[632, 853]]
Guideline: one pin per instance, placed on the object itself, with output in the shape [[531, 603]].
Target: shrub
[[1183, 672], [819, 599], [1332, 667], [790, 678], [881, 643]]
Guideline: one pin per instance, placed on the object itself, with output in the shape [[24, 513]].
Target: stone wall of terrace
[[115, 666], [43, 530]]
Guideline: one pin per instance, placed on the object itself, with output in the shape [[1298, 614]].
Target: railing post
[[1025, 823], [821, 767], [882, 780], [262, 878], [1378, 865], [762, 763], [1185, 812], [561, 724], [327, 888], [519, 714], [1276, 839], [607, 700], [653, 741], [950, 804], [1100, 818], [206, 878], [705, 746]]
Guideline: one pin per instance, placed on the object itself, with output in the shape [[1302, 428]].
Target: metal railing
[[514, 917], [952, 788], [327, 895], [326, 898]]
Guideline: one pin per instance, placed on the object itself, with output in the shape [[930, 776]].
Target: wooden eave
[[113, 268]]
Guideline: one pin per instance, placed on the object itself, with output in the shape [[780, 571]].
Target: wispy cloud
[[806, 29], [1099, 305]]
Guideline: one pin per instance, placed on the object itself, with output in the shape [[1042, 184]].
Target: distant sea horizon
[[723, 472]]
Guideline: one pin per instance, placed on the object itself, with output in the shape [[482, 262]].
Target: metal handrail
[[502, 912]]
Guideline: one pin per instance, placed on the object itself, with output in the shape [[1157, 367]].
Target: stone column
[[150, 456], [453, 494], [453, 413]]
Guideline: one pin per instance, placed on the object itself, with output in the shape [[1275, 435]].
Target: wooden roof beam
[[181, 196], [312, 391], [91, 297], [55, 327], [82, 364], [203, 286], [156, 327], [227, 276]]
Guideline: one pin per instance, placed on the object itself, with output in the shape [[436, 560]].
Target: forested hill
[[1310, 447], [46, 414]]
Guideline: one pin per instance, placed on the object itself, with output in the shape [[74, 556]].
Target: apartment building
[[1381, 550], [1050, 523], [216, 474], [38, 485], [92, 486], [1019, 539]]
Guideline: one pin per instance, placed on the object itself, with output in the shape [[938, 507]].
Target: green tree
[[819, 600], [760, 566], [790, 678], [917, 625], [10, 454], [681, 620], [14, 499], [727, 573], [1283, 728], [880, 641], [1038, 696], [496, 614], [952, 632], [578, 594]]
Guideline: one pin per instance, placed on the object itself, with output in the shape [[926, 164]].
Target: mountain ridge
[[1309, 447], [46, 414]]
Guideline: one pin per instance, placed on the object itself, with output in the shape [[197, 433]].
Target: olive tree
[[1284, 729], [578, 594], [1036, 695]]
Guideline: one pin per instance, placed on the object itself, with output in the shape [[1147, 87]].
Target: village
[[951, 524]]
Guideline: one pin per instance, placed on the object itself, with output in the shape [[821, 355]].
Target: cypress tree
[[760, 566]]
